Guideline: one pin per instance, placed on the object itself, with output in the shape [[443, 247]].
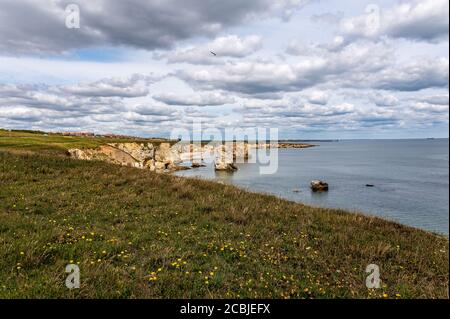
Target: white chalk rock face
[[78, 154], [160, 167], [141, 152], [224, 159], [165, 154]]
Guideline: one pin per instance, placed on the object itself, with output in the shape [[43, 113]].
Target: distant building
[[84, 134]]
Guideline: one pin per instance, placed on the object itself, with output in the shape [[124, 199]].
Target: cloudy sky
[[312, 68]]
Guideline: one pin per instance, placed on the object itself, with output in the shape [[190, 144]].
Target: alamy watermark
[[373, 279], [373, 19], [73, 279], [72, 16], [255, 145]]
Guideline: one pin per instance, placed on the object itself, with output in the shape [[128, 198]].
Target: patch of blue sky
[[100, 55]]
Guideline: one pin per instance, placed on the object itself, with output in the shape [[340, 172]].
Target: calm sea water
[[411, 178]]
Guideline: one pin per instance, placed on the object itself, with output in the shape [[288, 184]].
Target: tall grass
[[135, 234]]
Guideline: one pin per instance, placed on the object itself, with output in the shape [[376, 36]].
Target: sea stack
[[223, 166], [319, 186], [224, 160]]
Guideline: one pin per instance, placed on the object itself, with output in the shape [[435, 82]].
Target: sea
[[406, 181]]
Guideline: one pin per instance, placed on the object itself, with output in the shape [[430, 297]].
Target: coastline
[[161, 221], [401, 190], [347, 211], [147, 235], [167, 157]]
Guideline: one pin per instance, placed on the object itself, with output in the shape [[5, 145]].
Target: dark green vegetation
[[136, 234]]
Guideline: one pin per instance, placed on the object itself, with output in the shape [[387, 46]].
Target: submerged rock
[[319, 186], [181, 168]]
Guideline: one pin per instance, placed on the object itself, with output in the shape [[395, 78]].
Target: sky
[[313, 69]]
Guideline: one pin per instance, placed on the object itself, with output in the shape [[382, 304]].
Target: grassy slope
[[56, 144], [200, 239]]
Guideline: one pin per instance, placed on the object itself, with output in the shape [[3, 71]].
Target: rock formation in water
[[319, 186], [223, 166], [225, 158]]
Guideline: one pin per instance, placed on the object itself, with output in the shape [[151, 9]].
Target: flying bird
[[213, 53]]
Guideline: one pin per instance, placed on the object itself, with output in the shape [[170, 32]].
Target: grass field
[[135, 234], [57, 144]]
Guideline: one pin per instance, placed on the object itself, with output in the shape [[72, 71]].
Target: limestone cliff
[[165, 157], [158, 158]]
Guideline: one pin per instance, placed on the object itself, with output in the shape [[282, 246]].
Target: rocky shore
[[165, 157], [295, 145]]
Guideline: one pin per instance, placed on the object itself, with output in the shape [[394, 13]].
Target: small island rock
[[319, 186]]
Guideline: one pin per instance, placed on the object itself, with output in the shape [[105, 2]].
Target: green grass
[[35, 141], [199, 239]]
